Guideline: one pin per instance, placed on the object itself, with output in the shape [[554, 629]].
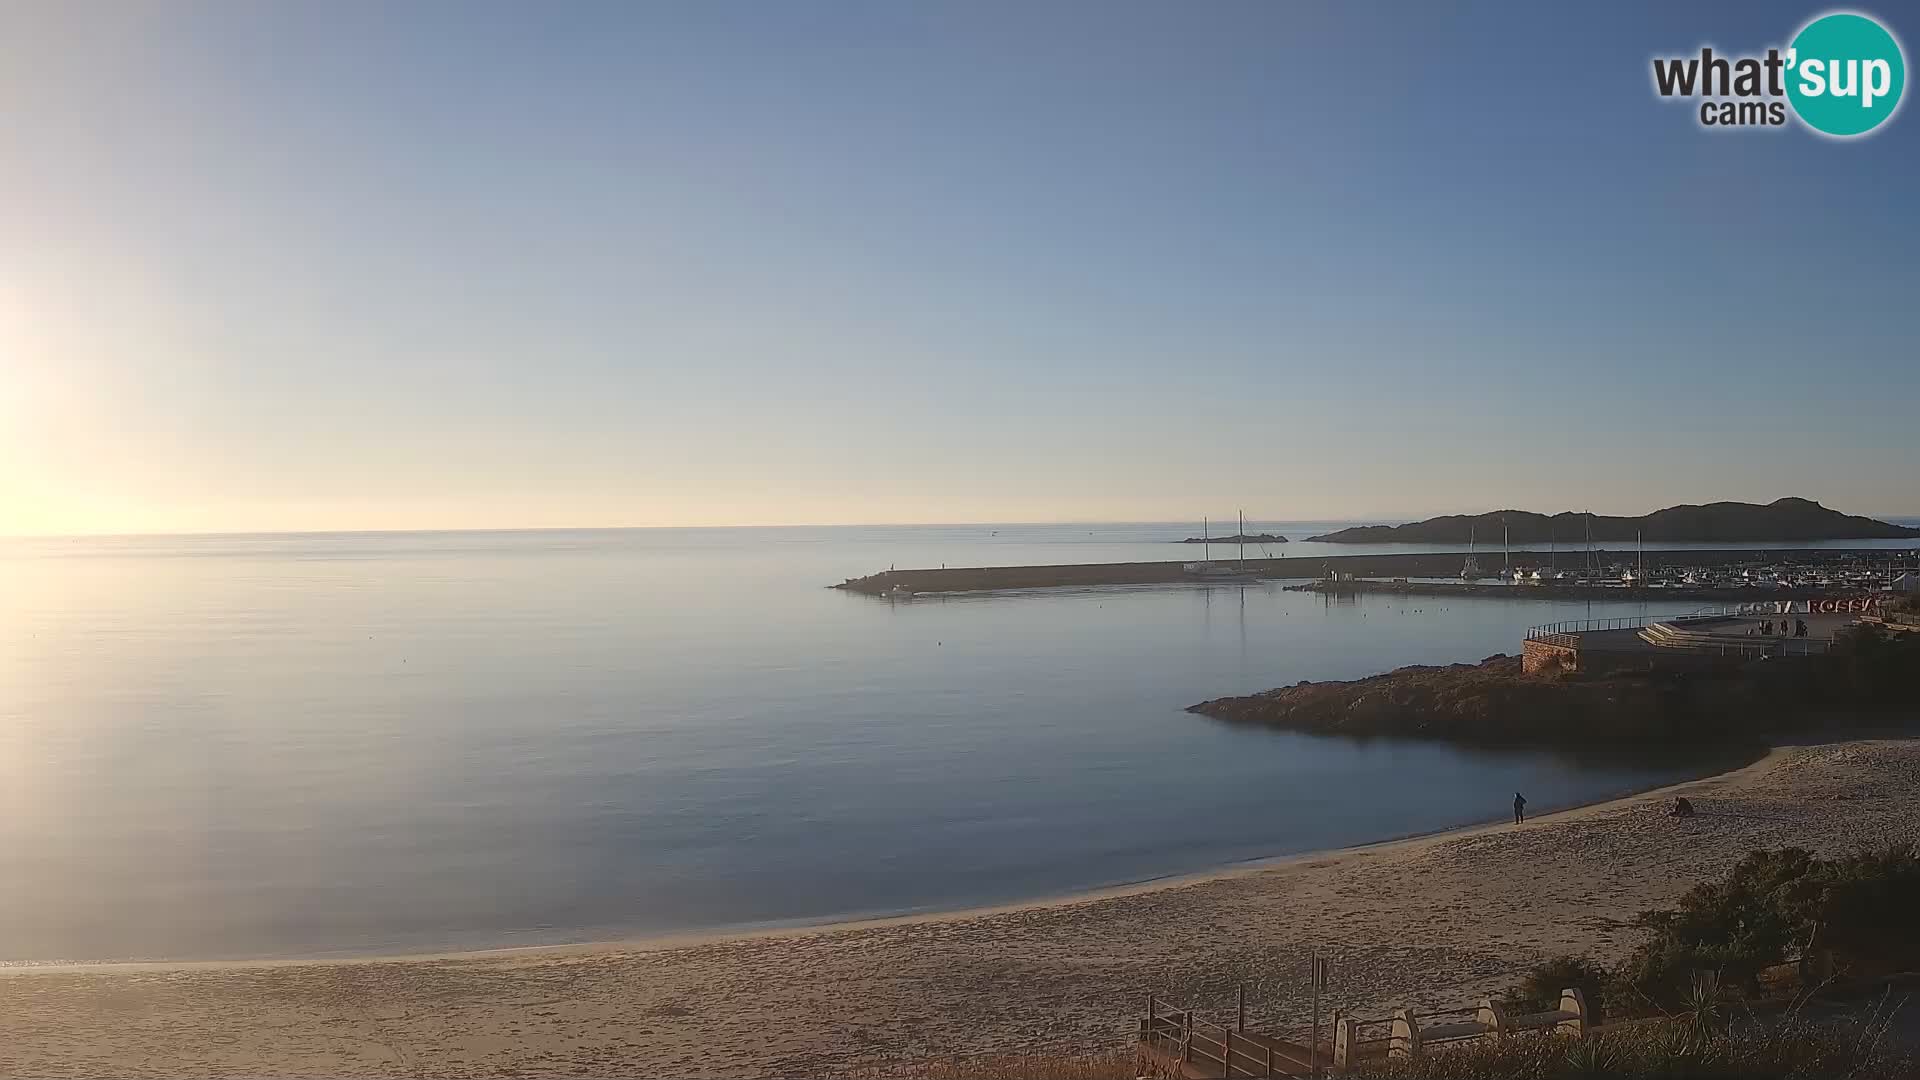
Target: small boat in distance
[[1208, 570]]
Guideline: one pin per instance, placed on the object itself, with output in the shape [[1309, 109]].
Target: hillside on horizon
[[1720, 522]]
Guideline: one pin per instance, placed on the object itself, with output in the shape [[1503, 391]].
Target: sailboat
[[1637, 575], [1588, 570], [1207, 569], [1551, 575], [1472, 569]]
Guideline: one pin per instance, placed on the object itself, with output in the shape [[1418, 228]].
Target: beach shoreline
[[1432, 921], [645, 943]]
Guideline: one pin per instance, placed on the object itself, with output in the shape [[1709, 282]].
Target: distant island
[[1238, 538], [1714, 523]]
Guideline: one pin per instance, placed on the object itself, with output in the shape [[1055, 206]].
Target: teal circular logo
[[1845, 73]]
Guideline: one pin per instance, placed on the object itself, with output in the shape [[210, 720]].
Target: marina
[[1677, 573]]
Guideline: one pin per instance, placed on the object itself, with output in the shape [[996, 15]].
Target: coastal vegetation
[[1796, 520], [1693, 1000], [1495, 702], [1694, 1047], [1701, 973], [1771, 908]]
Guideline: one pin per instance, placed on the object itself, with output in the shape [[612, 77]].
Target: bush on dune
[[1671, 1050], [1539, 989], [1685, 981], [1772, 906]]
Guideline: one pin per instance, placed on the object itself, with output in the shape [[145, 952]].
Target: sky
[[368, 265]]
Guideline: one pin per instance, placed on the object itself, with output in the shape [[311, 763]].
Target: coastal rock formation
[[1494, 702], [1237, 538], [1722, 522]]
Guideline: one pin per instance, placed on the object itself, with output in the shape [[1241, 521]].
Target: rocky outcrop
[[1237, 538], [1494, 702]]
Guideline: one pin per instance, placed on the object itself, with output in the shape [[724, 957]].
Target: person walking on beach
[[1519, 808]]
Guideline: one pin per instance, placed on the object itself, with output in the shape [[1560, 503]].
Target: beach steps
[[1176, 1042], [1703, 634], [1706, 635]]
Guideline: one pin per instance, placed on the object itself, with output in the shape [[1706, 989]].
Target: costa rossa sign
[[1849, 605]]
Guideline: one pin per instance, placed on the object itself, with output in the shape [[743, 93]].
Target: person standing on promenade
[[1519, 808]]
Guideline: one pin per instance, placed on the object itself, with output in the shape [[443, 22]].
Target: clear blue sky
[[341, 265]]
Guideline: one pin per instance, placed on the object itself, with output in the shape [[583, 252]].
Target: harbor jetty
[[1402, 587], [1387, 566]]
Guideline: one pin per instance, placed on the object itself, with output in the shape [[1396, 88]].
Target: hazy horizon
[[356, 266], [1224, 524]]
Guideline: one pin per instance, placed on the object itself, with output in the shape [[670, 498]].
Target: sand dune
[[1439, 919]]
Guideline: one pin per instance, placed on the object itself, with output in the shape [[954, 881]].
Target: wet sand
[[1437, 920]]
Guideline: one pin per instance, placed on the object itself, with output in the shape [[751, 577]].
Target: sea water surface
[[286, 745]]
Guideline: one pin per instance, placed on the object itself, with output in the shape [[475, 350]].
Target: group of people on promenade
[[1798, 629]]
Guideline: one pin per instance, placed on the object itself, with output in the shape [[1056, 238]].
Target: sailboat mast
[[1243, 539], [1206, 542]]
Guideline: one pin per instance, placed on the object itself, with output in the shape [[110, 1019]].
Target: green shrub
[[1539, 989], [1670, 1050], [1772, 905]]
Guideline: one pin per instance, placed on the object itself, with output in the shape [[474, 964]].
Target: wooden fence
[[1408, 1033], [1185, 1045], [1188, 1046]]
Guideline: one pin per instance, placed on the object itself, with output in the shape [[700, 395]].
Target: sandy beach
[[1438, 919]]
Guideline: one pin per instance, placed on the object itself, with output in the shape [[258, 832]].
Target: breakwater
[[1392, 565], [1565, 592]]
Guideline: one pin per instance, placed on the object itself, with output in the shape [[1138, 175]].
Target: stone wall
[[1545, 658], [1552, 657]]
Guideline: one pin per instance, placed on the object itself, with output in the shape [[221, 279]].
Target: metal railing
[[1668, 636], [1627, 622]]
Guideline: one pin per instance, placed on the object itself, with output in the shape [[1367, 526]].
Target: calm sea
[[241, 746]]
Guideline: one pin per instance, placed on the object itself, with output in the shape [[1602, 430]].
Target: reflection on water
[[249, 746]]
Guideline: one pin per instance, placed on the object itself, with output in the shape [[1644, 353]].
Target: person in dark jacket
[[1519, 808]]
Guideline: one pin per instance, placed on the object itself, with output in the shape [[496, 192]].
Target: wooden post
[[1240, 999], [1267, 1069], [1404, 1042], [1313, 1047], [1186, 1036], [1573, 1001], [1344, 1036], [1494, 1015]]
